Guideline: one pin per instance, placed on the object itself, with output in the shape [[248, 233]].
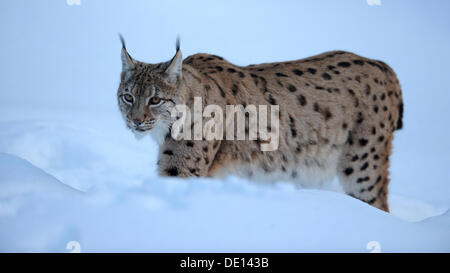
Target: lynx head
[[148, 92]]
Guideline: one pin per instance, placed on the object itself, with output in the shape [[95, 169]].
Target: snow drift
[[91, 182]]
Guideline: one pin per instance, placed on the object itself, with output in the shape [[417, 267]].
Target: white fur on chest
[[159, 132]]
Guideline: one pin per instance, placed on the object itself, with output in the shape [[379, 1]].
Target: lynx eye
[[128, 98], [154, 100]]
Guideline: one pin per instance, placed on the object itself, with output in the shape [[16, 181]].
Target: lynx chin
[[337, 115]]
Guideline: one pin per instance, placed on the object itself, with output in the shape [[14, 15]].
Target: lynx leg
[[363, 169], [186, 158]]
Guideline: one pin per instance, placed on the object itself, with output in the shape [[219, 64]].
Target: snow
[[92, 182], [71, 174]]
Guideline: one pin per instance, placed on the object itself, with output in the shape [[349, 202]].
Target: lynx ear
[[127, 62], [173, 71]]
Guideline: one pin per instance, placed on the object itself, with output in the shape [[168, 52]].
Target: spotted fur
[[338, 112]]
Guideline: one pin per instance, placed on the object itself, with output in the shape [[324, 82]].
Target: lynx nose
[[137, 122]]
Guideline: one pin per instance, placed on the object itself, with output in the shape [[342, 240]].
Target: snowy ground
[[83, 177]]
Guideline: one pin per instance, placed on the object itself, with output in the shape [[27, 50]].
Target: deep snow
[[88, 180]]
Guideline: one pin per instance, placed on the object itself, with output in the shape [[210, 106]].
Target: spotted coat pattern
[[338, 112]]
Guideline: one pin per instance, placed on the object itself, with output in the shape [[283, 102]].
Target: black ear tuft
[[122, 40], [178, 43]]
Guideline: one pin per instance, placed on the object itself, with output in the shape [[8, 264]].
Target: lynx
[[337, 115]]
